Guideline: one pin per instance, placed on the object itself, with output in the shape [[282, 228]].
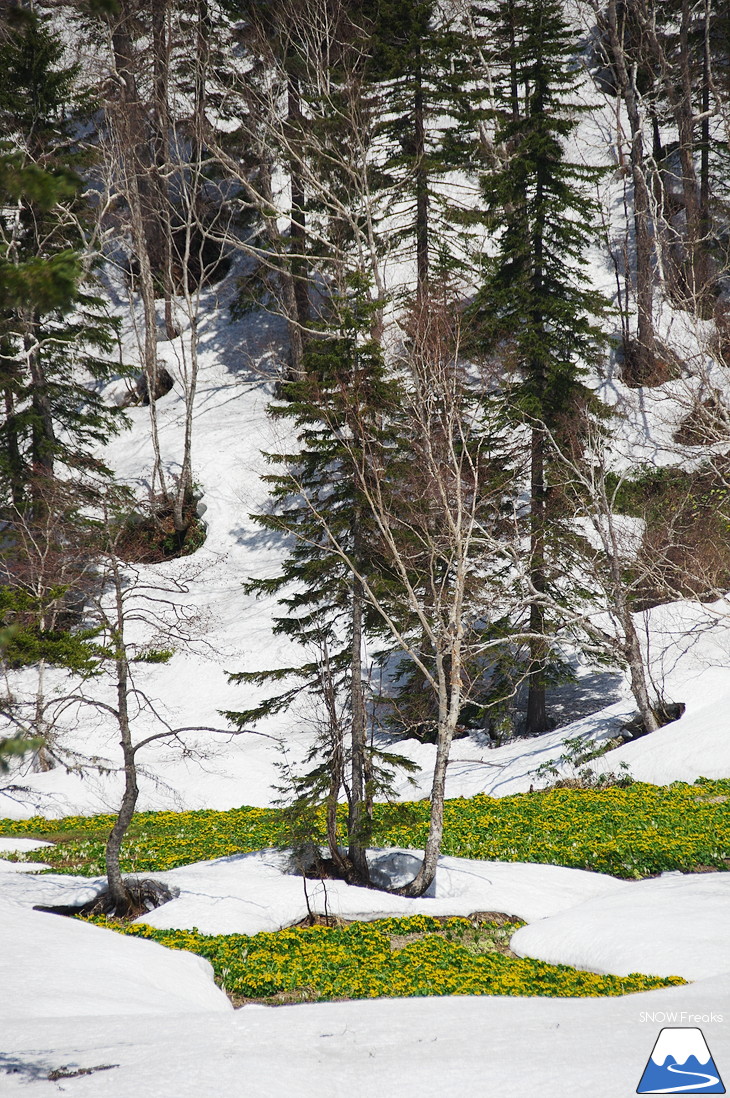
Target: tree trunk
[[358, 822], [119, 894], [449, 709], [336, 766], [696, 274], [44, 758], [632, 646], [12, 447], [147, 293], [336, 776], [43, 435], [705, 225], [297, 229], [644, 271], [160, 143], [637, 674], [288, 298], [193, 230], [419, 133], [536, 718], [128, 117], [184, 488], [131, 148], [678, 81], [202, 62], [118, 891], [423, 880], [514, 91]]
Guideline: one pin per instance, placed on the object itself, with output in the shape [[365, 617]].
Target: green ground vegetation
[[631, 832], [394, 957]]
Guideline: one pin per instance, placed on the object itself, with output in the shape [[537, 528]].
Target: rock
[[394, 869], [163, 384]]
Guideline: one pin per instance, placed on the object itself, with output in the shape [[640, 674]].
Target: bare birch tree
[[614, 568], [437, 513], [135, 619]]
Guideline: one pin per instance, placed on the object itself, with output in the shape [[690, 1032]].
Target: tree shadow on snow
[[34, 1071], [587, 695]]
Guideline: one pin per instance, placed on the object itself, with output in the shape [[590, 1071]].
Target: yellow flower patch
[[358, 962], [628, 832]]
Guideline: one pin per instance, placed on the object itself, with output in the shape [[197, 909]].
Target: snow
[[73, 967], [12, 844], [417, 1048], [675, 924], [248, 893], [48, 889], [80, 997], [689, 650], [21, 867], [142, 1019], [230, 630], [75, 997], [690, 646]]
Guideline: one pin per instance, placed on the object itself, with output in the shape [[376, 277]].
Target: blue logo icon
[[680, 1063]]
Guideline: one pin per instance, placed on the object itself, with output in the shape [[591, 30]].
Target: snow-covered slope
[[415, 1048], [248, 893], [70, 967], [57, 973], [419, 1048], [229, 630], [84, 1008], [674, 924]]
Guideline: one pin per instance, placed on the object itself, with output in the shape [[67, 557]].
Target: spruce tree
[[319, 498], [534, 305], [414, 70], [55, 335]]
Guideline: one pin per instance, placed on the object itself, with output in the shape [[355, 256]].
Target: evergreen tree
[[414, 70], [54, 339], [534, 305], [54, 331], [319, 499]]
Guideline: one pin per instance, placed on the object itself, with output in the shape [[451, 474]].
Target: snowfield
[[161, 1028], [440, 1048], [675, 924], [77, 999], [248, 893], [228, 631], [91, 1014], [74, 967]]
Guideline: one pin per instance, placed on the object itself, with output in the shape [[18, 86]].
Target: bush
[[578, 753]]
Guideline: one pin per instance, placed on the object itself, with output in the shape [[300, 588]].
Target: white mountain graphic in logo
[[680, 1063]]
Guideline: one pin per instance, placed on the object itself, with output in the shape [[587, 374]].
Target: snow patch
[[675, 925], [11, 843], [74, 968]]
